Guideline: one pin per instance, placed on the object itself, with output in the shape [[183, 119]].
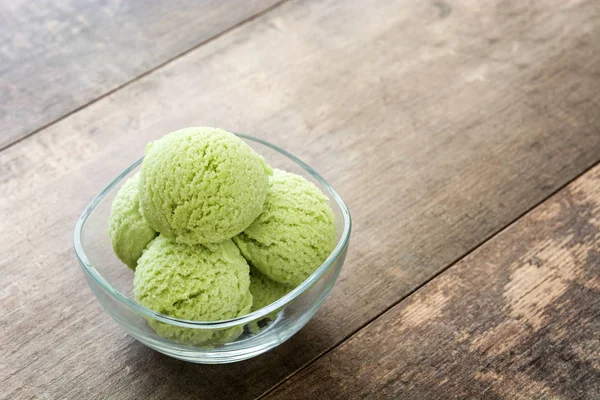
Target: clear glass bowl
[[112, 282]]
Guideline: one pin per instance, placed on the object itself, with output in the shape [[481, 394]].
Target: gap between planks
[[418, 287], [146, 73]]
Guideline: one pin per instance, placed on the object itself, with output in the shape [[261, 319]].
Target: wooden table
[[464, 136]]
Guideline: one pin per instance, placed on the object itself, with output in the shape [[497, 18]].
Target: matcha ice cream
[[264, 290], [203, 208], [129, 232], [294, 234], [200, 283], [202, 185]]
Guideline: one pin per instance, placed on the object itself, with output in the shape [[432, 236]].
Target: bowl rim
[[91, 271]]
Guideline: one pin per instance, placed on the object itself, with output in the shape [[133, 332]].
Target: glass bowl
[[112, 282]]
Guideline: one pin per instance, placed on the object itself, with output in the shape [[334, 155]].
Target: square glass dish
[[112, 282]]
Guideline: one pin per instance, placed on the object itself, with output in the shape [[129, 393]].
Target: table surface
[[463, 135]]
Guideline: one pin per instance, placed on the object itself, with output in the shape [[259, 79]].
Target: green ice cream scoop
[[200, 283], [294, 234], [202, 185], [264, 290], [129, 232]]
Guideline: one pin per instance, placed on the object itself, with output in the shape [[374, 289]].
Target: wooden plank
[[519, 318], [438, 127], [58, 56]]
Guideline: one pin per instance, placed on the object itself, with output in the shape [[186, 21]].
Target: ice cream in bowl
[[214, 247]]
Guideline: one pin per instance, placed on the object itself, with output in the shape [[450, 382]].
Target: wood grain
[[519, 318], [438, 126], [56, 56]]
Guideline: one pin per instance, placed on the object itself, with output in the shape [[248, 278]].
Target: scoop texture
[[264, 290], [129, 232], [200, 283], [294, 234], [202, 185]]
